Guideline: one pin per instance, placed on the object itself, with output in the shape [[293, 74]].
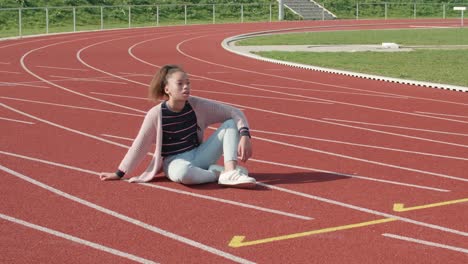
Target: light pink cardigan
[[207, 112]]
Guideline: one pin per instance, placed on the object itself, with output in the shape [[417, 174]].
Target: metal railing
[[407, 10], [18, 22], [45, 20]]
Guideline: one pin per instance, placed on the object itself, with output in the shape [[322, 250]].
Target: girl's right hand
[[108, 176]]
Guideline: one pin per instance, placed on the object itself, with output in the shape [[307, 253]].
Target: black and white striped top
[[179, 130]]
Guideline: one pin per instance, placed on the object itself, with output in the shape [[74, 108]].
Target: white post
[[414, 11], [47, 20], [280, 10], [214, 14], [462, 9], [242, 13], [270, 12], [185, 14], [74, 19], [357, 11], [157, 15], [443, 10], [102, 17], [20, 23], [462, 18], [129, 16], [386, 11]]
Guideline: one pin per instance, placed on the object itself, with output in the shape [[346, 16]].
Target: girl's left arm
[[214, 112]]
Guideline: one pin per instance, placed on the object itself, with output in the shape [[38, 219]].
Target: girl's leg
[[181, 169], [223, 141], [191, 167]]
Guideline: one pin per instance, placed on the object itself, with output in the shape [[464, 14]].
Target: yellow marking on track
[[238, 241], [399, 207]]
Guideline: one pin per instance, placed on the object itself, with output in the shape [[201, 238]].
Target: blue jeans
[[190, 167]]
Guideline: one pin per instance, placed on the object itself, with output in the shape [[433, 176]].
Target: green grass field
[[434, 65]]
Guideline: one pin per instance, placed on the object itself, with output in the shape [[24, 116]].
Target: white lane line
[[120, 96], [366, 210], [62, 68], [359, 145], [431, 26], [129, 74], [201, 196], [76, 239], [112, 136], [18, 121], [51, 80], [349, 175], [426, 243], [399, 127], [291, 69], [364, 160], [266, 97], [428, 113], [128, 219], [5, 63], [9, 84], [86, 79], [370, 93], [10, 72], [71, 106]]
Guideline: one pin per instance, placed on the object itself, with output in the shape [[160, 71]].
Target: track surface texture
[[350, 170]]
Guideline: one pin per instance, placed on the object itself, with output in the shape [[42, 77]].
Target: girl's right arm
[[140, 147]]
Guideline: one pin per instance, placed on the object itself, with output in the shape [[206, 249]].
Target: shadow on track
[[272, 179], [297, 177]]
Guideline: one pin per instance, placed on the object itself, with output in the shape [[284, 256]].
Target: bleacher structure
[[309, 10]]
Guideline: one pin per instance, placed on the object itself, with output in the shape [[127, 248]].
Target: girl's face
[[178, 86]]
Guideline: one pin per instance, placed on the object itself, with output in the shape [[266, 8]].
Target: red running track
[[334, 156]]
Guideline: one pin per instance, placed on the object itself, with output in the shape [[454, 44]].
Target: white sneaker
[[218, 169], [235, 178]]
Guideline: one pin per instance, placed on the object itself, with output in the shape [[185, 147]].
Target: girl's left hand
[[244, 149]]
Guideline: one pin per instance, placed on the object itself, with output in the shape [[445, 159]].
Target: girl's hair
[[156, 87]]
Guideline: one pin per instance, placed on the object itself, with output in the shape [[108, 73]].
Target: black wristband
[[120, 173], [244, 131]]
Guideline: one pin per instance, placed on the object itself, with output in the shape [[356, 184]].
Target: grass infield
[[448, 66]]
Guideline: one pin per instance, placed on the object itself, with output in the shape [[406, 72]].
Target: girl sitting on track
[[177, 126]]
